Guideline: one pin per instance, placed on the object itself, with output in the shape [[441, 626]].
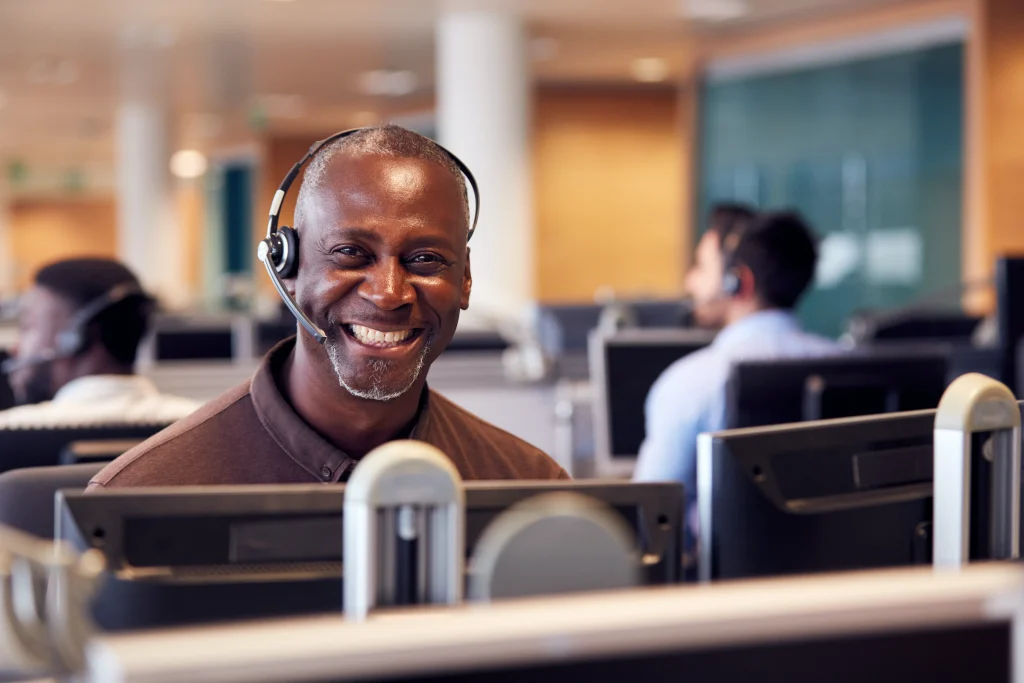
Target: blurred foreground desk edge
[[894, 625]]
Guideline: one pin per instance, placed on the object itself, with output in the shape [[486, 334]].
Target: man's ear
[[467, 283], [748, 288]]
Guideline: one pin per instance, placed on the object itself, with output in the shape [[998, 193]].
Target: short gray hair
[[389, 141]]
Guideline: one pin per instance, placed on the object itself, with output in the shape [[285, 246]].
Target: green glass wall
[[869, 151]]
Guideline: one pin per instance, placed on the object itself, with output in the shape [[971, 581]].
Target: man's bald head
[[386, 141]]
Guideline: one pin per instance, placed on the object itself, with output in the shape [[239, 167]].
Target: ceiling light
[[389, 83], [188, 163], [714, 10], [649, 69]]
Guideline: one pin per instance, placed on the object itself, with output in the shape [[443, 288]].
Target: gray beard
[[378, 369]]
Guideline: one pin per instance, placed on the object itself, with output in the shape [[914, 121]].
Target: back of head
[[83, 281], [779, 249], [727, 217]]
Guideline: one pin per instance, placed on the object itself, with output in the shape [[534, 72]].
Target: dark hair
[[727, 216], [779, 249], [118, 328]]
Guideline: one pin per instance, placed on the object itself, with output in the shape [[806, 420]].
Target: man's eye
[[349, 253], [427, 264]]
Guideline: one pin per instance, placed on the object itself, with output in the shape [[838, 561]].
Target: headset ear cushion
[[731, 283], [288, 265], [69, 343]]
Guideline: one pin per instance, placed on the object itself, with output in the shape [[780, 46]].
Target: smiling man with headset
[[79, 327], [749, 272], [376, 272]]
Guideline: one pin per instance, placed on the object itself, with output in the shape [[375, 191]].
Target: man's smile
[[397, 339]]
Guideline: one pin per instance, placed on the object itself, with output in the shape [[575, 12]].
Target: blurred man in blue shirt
[[748, 274]]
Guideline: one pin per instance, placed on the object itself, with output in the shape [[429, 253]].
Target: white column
[[147, 226], [483, 112]]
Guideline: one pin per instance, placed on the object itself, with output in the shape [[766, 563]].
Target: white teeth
[[371, 336]]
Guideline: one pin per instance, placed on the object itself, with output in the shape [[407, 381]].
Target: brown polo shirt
[[252, 435]]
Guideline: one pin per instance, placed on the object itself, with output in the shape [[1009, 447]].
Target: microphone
[[263, 252], [14, 364]]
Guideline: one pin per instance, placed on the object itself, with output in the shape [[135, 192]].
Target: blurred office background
[[156, 132]]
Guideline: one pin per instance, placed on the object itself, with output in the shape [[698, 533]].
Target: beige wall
[[609, 192], [42, 231]]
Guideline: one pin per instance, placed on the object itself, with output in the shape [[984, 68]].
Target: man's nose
[[387, 285]]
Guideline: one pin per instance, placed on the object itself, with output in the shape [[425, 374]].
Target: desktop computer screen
[[835, 495], [623, 367], [200, 554], [194, 344], [783, 391]]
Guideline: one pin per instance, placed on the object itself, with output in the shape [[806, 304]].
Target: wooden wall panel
[[1001, 32], [42, 231], [609, 190]]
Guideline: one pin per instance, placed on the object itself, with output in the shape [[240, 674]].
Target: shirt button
[[326, 472]]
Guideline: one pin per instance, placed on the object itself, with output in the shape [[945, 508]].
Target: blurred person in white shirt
[[79, 329]]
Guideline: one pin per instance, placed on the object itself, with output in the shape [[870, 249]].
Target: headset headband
[[282, 189], [112, 296]]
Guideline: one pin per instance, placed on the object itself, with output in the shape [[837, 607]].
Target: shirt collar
[[757, 324], [300, 441], [104, 387]]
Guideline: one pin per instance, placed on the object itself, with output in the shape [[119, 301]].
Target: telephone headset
[[75, 339], [279, 251], [732, 282]]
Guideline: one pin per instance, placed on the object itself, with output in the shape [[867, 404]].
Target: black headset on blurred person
[[75, 338], [279, 250], [732, 281]]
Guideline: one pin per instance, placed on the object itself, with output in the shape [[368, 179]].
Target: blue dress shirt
[[689, 397]]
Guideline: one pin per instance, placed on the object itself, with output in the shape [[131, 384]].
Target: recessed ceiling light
[[714, 10], [649, 69], [188, 163], [388, 83]]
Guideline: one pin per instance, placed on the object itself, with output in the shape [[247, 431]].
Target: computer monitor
[[854, 493], [1010, 315], [200, 554], [564, 328], [791, 390], [201, 338], [882, 627], [623, 367], [661, 313], [914, 326]]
